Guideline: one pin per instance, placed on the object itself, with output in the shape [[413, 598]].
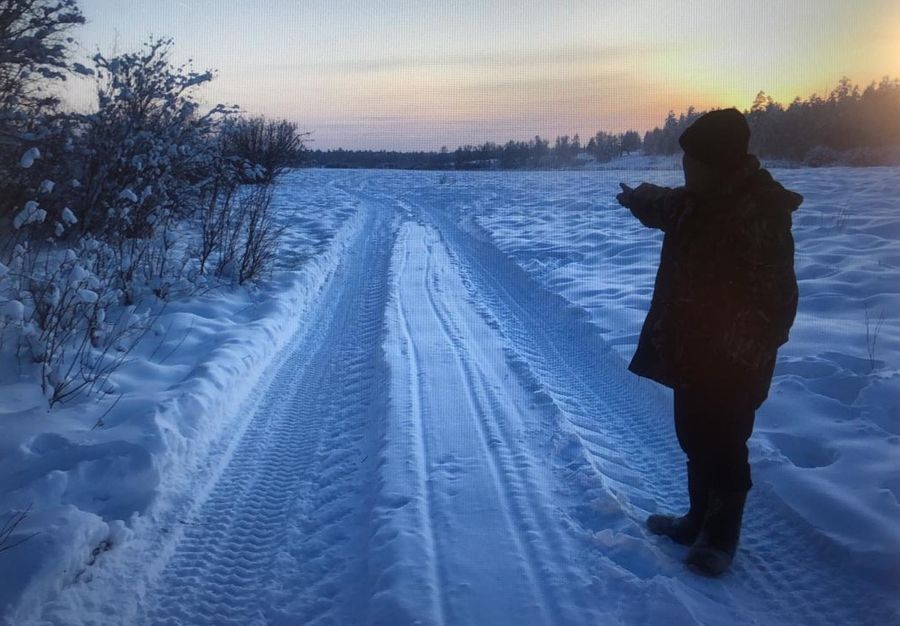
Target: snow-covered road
[[447, 442], [282, 537], [469, 450]]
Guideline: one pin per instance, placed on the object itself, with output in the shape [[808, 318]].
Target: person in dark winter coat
[[724, 300]]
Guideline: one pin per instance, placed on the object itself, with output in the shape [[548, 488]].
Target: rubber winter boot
[[712, 553], [686, 528]]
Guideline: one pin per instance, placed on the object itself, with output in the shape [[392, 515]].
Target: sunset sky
[[420, 74]]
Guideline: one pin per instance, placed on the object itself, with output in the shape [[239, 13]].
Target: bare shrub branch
[[8, 527]]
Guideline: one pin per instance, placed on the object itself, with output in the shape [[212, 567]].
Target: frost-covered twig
[[187, 331], [261, 237], [9, 526], [99, 422], [873, 329], [836, 222]]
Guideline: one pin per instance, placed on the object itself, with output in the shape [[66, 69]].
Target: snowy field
[[425, 417]]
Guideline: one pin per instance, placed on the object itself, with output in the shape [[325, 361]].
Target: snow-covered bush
[[64, 318], [261, 235], [239, 237], [273, 145], [103, 213], [248, 235], [34, 54], [154, 165], [145, 152], [34, 49], [145, 160]]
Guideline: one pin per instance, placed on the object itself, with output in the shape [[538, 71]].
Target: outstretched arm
[[655, 206]]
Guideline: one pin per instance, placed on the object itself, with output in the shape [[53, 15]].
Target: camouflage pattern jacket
[[725, 295]]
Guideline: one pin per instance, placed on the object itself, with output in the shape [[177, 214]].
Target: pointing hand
[[624, 197]]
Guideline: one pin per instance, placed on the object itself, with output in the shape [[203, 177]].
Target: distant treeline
[[536, 153], [850, 125]]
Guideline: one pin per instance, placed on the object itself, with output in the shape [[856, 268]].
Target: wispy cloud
[[512, 59]]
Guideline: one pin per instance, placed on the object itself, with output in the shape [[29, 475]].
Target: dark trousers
[[713, 427]]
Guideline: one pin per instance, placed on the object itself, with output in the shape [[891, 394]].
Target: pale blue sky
[[421, 74]]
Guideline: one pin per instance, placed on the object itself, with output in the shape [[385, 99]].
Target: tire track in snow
[[282, 537], [616, 416], [417, 408], [482, 442], [491, 442]]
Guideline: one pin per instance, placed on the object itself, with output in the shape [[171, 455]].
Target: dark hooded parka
[[726, 293]]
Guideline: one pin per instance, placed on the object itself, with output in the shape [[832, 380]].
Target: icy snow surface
[[430, 421]]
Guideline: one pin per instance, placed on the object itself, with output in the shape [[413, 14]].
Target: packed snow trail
[[446, 442], [476, 437], [282, 537]]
